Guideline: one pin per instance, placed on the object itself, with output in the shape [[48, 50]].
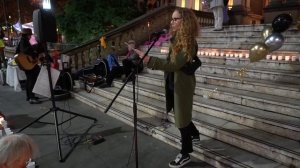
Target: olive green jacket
[[184, 87]]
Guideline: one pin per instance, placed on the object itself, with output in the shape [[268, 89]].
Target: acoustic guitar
[[25, 62]]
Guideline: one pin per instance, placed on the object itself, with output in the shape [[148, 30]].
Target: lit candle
[[280, 57], [213, 53], [198, 53], [294, 58], [221, 54], [206, 53], [241, 55], [274, 57], [201, 53], [231, 55], [1, 120], [227, 54], [268, 57], [236, 55], [217, 53], [247, 55], [287, 58]]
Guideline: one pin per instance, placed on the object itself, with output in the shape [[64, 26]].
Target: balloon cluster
[[272, 37]]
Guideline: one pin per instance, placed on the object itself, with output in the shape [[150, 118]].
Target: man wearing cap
[[25, 47]]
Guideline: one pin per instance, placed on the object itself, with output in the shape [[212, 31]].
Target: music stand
[[132, 76], [54, 110]]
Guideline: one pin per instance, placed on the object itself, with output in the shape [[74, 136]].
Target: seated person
[[132, 59], [115, 70], [16, 150]]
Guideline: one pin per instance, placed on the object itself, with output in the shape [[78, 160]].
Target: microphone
[[157, 34]]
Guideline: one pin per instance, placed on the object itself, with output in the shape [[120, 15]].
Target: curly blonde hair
[[185, 37]]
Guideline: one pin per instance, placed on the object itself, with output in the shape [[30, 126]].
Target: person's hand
[[141, 55]]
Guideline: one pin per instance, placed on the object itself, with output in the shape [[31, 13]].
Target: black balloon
[[282, 22]]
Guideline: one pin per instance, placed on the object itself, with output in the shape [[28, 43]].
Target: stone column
[[274, 3], [276, 7], [237, 12], [282, 3]]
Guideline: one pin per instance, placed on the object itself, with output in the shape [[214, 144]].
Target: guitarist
[[25, 47]]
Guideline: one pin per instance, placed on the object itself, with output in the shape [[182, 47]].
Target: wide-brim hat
[[26, 31]]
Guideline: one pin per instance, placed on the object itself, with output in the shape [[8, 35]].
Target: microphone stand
[[132, 75]]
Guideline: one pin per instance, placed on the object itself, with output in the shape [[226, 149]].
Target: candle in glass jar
[[274, 57], [247, 55], [221, 54], [280, 57], [268, 57], [241, 55], [294, 58]]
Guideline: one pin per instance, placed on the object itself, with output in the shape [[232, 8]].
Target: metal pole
[[5, 18], [19, 13]]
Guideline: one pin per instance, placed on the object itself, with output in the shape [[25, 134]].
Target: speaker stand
[[54, 110]]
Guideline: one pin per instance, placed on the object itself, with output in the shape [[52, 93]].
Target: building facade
[[239, 11]]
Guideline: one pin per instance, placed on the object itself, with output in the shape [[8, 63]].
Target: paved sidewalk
[[115, 152]]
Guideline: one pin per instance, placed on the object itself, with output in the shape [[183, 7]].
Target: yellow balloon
[[266, 32], [258, 51]]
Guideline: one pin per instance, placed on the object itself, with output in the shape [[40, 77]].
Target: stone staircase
[[244, 121]]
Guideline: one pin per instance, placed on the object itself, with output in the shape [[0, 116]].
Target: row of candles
[[222, 54], [294, 57], [242, 54]]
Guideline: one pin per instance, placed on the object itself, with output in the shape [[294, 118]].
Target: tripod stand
[[54, 109], [132, 76]]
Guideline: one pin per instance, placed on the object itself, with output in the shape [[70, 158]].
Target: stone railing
[[138, 29]]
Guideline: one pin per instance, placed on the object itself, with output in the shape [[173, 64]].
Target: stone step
[[293, 66], [237, 37], [267, 103], [242, 28], [289, 46], [266, 64], [257, 73], [280, 124], [210, 150], [246, 30], [247, 84], [242, 40], [260, 142]]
